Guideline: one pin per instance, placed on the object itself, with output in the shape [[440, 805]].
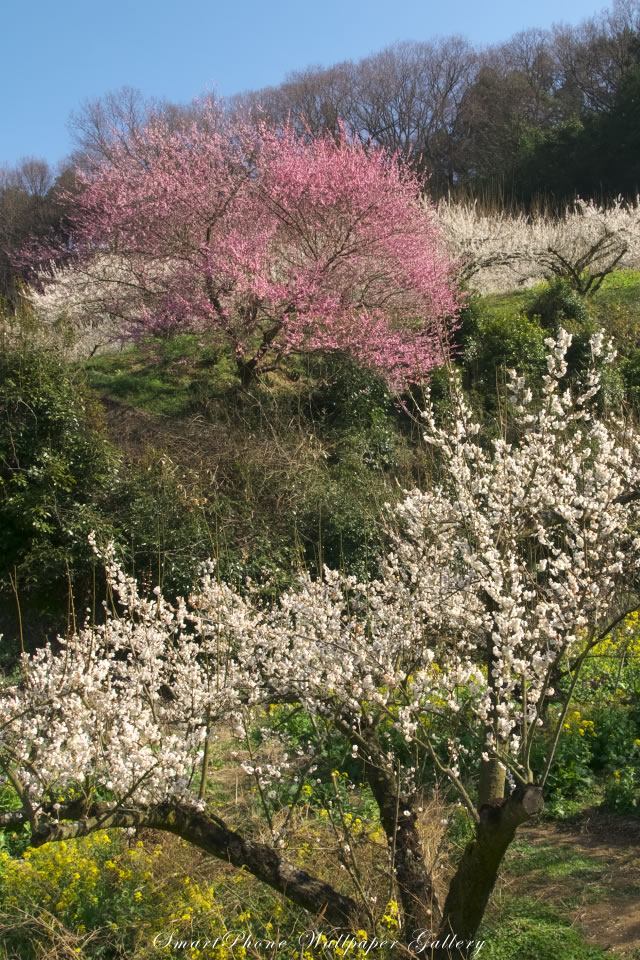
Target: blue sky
[[56, 55]]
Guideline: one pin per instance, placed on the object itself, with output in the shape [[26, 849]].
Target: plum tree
[[275, 241], [518, 561]]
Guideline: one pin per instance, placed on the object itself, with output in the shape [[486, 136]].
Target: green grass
[[507, 304], [538, 922], [553, 861], [621, 286], [522, 928], [616, 305], [167, 379]]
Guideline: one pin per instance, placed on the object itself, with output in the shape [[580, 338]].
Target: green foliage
[[559, 305], [591, 155], [346, 395], [622, 791], [496, 342], [631, 375], [162, 524], [599, 745], [616, 742], [572, 771], [13, 841], [56, 468], [549, 162]]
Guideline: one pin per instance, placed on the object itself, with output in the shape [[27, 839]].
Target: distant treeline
[[548, 115], [540, 119]]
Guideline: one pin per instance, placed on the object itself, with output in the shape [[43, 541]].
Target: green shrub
[[622, 791], [347, 395], [572, 771], [56, 469], [630, 370], [502, 342], [617, 737], [559, 305]]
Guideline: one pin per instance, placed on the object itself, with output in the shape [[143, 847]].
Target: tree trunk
[[492, 781], [420, 906], [247, 372], [477, 871], [492, 773], [248, 369]]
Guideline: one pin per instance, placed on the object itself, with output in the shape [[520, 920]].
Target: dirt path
[[591, 872]]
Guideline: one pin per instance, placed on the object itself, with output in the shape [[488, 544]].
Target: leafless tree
[[29, 205], [597, 54]]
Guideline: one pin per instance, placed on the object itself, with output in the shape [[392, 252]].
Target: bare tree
[[408, 100], [596, 55], [29, 205], [315, 100]]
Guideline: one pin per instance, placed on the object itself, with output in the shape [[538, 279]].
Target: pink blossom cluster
[[275, 241]]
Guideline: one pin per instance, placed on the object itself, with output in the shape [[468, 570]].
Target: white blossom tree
[[521, 556], [497, 250]]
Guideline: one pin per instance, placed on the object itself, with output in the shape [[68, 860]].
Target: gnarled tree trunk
[[477, 871]]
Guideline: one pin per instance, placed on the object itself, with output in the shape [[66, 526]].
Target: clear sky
[[57, 55]]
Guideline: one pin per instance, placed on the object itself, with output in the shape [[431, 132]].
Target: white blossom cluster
[[82, 296], [499, 250], [525, 549]]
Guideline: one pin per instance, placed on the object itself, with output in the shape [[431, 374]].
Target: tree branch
[[211, 834]]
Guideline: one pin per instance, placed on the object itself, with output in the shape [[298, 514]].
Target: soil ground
[[590, 871]]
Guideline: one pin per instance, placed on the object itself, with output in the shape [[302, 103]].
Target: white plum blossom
[[523, 551], [498, 250]]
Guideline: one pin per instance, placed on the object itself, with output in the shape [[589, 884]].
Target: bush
[[495, 343], [56, 469], [622, 791], [630, 370], [571, 772], [559, 305]]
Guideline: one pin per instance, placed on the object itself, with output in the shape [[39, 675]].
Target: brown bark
[[491, 782], [209, 833], [477, 871], [420, 906]]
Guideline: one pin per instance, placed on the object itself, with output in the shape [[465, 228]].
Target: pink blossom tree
[[275, 242]]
